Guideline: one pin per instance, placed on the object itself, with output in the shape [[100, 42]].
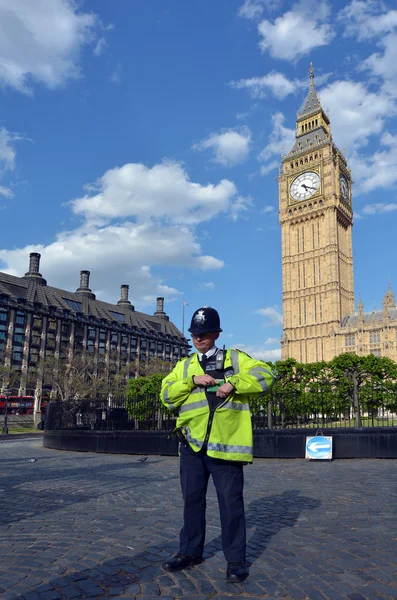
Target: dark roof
[[309, 140], [33, 291], [370, 318], [312, 103]]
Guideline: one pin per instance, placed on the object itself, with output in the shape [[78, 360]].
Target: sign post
[[319, 447]]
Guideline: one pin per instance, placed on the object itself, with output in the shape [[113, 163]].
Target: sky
[[141, 140]]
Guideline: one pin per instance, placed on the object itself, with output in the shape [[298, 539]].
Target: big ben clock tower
[[316, 220]]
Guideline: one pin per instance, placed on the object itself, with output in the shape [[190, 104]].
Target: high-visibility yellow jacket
[[228, 430]]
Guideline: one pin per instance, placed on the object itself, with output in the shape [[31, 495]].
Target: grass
[[23, 430]]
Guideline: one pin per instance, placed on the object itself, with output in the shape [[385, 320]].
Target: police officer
[[211, 390]]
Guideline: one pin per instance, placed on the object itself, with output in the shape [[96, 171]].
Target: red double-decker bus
[[20, 405]]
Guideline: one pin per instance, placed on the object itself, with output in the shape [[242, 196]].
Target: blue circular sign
[[318, 447]]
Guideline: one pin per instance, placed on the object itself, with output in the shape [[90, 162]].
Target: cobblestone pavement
[[76, 525]]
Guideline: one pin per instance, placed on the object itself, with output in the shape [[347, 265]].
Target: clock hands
[[308, 187]]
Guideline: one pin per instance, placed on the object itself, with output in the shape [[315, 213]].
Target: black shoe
[[236, 572], [180, 561]]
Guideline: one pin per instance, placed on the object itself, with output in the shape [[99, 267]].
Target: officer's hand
[[204, 380], [224, 390]]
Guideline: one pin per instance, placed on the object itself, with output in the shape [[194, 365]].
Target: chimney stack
[[84, 285], [160, 309], [124, 297], [34, 266]]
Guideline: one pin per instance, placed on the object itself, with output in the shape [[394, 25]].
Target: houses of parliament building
[[316, 218]]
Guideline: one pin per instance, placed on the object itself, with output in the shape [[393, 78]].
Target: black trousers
[[228, 478]]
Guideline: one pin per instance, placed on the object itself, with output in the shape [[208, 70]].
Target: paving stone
[[312, 532], [71, 592]]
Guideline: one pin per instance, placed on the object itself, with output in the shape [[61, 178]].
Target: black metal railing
[[313, 409]]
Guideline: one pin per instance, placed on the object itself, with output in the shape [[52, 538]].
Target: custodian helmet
[[204, 320]]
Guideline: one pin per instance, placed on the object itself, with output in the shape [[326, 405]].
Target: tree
[[143, 398], [82, 376], [153, 366], [356, 371], [9, 378]]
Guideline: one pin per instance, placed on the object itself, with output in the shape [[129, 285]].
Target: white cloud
[[253, 9], [6, 192], [371, 20], [261, 352], [115, 254], [378, 208], [280, 138], [7, 157], [161, 192], [267, 209], [274, 82], [385, 65], [117, 74], [40, 41], [100, 46], [207, 263], [378, 169], [242, 204], [210, 285], [7, 151], [272, 314], [230, 147], [360, 115], [136, 220], [367, 19], [297, 31]]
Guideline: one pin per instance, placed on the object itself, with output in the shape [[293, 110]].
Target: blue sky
[[140, 139]]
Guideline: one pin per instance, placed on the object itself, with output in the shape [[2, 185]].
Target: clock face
[[344, 187], [305, 185]]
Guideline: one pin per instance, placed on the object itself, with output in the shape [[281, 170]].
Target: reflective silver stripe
[[259, 374], [165, 396], [186, 366], [230, 449], [190, 439], [236, 405], [234, 358], [197, 390], [193, 406]]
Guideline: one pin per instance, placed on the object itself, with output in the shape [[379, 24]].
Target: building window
[[152, 348], [118, 316], [17, 356], [74, 305], [37, 322], [376, 352], [52, 325], [20, 318], [154, 325], [3, 316], [66, 328], [350, 340], [33, 356], [374, 338]]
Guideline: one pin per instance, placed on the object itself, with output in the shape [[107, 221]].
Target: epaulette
[[242, 352]]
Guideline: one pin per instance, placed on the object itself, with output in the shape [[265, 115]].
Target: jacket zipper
[[209, 426]]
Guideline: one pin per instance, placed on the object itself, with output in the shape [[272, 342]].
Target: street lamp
[[6, 393]]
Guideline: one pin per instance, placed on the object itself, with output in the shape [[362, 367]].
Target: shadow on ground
[[141, 573]]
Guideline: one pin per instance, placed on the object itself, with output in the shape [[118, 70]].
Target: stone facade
[[37, 320], [316, 218]]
